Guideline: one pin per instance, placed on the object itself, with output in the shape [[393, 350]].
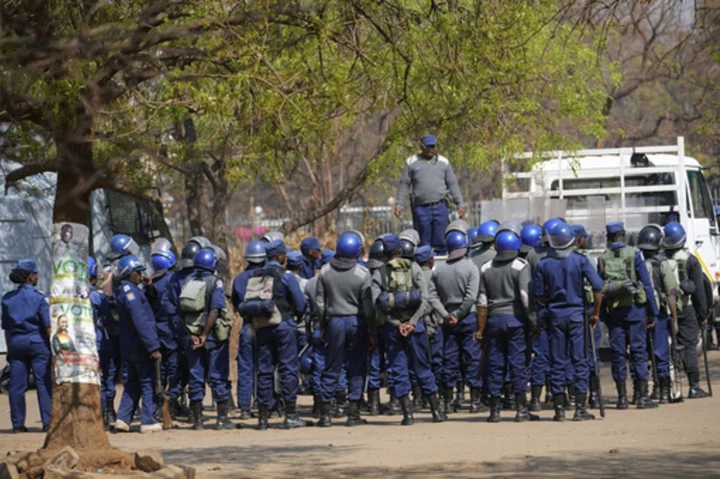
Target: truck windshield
[[702, 207]]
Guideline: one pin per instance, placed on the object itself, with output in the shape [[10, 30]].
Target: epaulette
[[519, 264]]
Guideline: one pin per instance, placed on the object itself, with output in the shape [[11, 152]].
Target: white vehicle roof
[[609, 162]]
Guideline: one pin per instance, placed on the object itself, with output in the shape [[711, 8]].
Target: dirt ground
[[680, 440]]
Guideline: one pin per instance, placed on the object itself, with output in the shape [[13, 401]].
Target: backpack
[[194, 301], [263, 304], [653, 266], [678, 266], [619, 265], [400, 297]]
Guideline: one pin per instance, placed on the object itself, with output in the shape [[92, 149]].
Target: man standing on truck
[[432, 179]]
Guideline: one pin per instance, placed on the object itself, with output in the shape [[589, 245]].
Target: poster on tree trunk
[[73, 330]]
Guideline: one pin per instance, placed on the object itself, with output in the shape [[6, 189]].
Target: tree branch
[[30, 170]]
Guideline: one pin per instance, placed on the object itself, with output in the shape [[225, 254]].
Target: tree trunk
[[76, 419]]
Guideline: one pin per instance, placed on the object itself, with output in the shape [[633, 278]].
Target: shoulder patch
[[519, 264], [442, 159], [130, 297], [360, 271], [219, 283], [47, 299], [126, 288], [411, 159], [486, 266]]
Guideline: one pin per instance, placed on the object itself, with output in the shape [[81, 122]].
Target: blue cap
[[580, 231], [716, 208], [295, 258], [424, 253], [615, 227], [327, 255], [28, 264], [391, 242], [275, 248], [309, 244], [428, 140]]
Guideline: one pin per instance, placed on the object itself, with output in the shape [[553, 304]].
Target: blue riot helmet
[[410, 235], [561, 236], [163, 261], [348, 246], [273, 236], [507, 241], [191, 248], [455, 240], [206, 259], [514, 226], [457, 225], [650, 237], [472, 234], [675, 236], [127, 265], [548, 225], [255, 252], [92, 267], [716, 209], [123, 245], [306, 362], [376, 255], [531, 236], [487, 231]]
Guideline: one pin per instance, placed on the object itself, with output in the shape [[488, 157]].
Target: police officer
[[482, 249], [649, 241], [312, 252], [531, 237], [255, 257], [208, 356], [276, 343], [540, 363], [400, 290], [102, 315], [425, 257], [140, 345], [432, 178], [295, 265], [559, 285], [163, 261], [629, 307], [376, 366], [692, 302], [344, 303], [453, 295], [26, 322], [504, 317]]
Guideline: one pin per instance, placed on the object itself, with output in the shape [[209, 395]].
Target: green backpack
[[194, 298], [619, 265], [678, 266], [400, 278]]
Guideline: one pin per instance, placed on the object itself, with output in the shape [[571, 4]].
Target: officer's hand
[[398, 212], [407, 329], [478, 336], [594, 318], [147, 280], [201, 340], [371, 343], [461, 212], [155, 355], [451, 320], [195, 340]]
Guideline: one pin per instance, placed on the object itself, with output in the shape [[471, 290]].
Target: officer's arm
[[420, 282], [471, 293], [404, 186], [644, 276], [144, 321], [367, 305], [235, 297], [596, 283], [44, 314], [452, 184], [376, 285], [296, 294], [320, 300], [699, 298], [435, 298], [524, 293], [169, 298], [538, 286]]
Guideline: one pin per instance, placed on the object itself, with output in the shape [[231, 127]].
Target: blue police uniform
[[309, 267], [138, 339], [628, 325], [246, 348], [111, 357], [25, 320], [560, 281], [540, 364], [167, 331], [212, 360], [170, 301], [101, 315]]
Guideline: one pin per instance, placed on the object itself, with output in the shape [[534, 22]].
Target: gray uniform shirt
[[344, 292], [483, 255], [380, 278], [431, 181], [454, 288], [533, 258], [504, 288]]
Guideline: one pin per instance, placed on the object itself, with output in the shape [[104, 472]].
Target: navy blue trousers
[[24, 356], [628, 326], [139, 379], [567, 346], [460, 339], [211, 361], [431, 221], [246, 367], [277, 346], [346, 338], [505, 353], [406, 353]]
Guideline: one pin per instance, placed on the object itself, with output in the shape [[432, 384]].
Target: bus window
[[699, 196], [126, 217]]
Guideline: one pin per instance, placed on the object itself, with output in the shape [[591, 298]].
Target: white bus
[[642, 185]]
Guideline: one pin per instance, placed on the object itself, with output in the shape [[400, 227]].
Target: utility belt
[[432, 203]]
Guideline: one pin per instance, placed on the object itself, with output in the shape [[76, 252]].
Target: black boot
[[317, 405], [110, 411], [559, 406], [196, 409], [417, 398], [245, 415], [655, 395], [476, 404], [636, 393], [644, 401], [485, 396], [594, 400], [570, 398], [581, 413], [437, 413], [106, 423], [548, 395], [459, 396], [374, 402], [508, 397], [664, 390], [325, 413], [535, 392], [394, 406], [262, 424], [622, 402], [340, 404], [408, 419], [354, 418], [495, 408], [696, 391], [223, 408], [448, 396], [291, 417], [523, 414]]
